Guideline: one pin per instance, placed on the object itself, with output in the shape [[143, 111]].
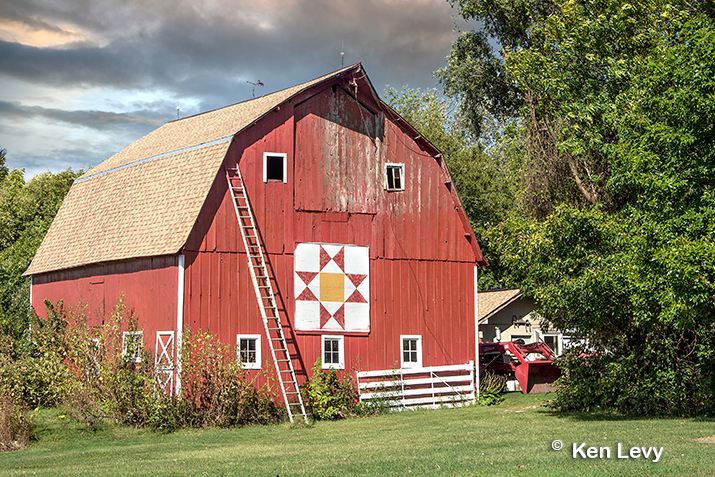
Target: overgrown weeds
[[99, 374], [328, 396], [491, 388], [15, 423]]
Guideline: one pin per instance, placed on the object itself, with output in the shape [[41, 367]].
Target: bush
[[33, 368], [15, 424], [491, 388], [216, 391], [654, 384], [69, 362], [327, 396]]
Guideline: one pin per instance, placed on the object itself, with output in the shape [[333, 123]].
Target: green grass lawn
[[511, 439]]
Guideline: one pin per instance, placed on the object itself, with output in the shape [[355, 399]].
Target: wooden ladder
[[282, 359]]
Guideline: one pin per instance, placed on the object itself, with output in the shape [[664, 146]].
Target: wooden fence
[[433, 386]]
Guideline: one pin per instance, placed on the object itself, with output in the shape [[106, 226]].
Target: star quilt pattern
[[332, 287]]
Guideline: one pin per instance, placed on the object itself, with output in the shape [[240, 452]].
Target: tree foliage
[[26, 212], [483, 179], [613, 232]]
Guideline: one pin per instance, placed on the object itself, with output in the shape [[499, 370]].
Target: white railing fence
[[432, 386]]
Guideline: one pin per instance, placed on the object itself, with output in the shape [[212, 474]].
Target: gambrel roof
[[144, 200]]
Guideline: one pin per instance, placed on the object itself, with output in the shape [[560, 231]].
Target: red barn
[[313, 219]]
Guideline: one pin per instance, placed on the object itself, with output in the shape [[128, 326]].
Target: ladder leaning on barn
[[282, 359]]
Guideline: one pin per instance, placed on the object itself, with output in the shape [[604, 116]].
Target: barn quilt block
[[332, 287]]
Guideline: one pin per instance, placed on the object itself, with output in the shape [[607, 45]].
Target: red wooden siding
[[422, 266], [149, 288], [337, 145]]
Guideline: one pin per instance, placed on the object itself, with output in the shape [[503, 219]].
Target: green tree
[[26, 212], [614, 232], [483, 177]]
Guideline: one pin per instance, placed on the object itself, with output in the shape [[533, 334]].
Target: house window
[[411, 351], [248, 348], [132, 346], [333, 352], [394, 177], [275, 167], [553, 342], [525, 338]]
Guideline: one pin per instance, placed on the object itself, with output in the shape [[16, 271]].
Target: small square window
[[394, 177], [275, 167], [411, 351], [248, 348], [133, 346], [333, 352]]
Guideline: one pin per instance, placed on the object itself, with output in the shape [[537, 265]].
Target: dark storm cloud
[[196, 54], [91, 119], [184, 46]]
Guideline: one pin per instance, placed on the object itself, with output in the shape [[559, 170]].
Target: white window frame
[[282, 155], [95, 355], [341, 352], [138, 350], [410, 364], [257, 364], [401, 167], [559, 343]]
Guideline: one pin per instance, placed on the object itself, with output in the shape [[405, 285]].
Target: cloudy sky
[[81, 79]]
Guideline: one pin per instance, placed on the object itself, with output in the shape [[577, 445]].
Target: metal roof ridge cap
[[158, 156]]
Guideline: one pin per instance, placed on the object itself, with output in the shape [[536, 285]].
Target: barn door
[[164, 361]]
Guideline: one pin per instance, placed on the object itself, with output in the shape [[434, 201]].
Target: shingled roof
[[130, 206], [492, 301]]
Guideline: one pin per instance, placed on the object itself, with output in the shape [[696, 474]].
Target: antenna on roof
[[257, 83], [177, 112], [342, 55]]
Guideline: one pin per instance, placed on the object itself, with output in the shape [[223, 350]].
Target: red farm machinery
[[531, 364]]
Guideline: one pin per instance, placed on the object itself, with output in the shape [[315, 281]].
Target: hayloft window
[[275, 167], [248, 348], [394, 177], [411, 351], [333, 352], [133, 346]]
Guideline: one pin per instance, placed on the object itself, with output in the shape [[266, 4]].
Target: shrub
[[33, 368], [15, 424], [491, 388], [216, 391], [327, 396], [605, 382], [66, 361]]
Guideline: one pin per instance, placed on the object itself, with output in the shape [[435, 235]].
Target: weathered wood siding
[[422, 264], [147, 287]]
